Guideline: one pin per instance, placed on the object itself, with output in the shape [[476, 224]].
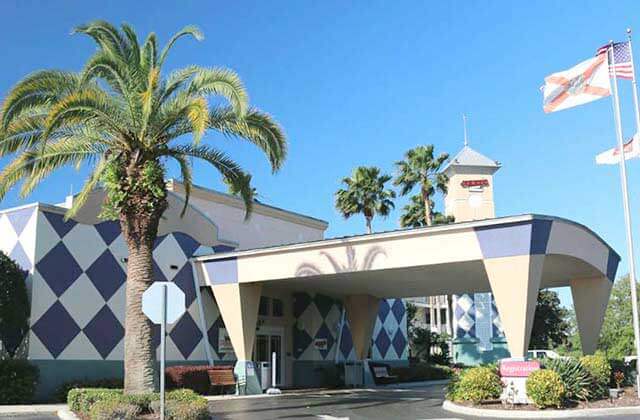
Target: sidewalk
[[6, 410]]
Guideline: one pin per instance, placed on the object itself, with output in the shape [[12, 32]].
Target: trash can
[[353, 373], [265, 375]]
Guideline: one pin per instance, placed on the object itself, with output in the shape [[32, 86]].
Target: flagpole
[[632, 280], [627, 213]]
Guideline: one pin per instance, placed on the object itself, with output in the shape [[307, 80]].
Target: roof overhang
[[447, 259]]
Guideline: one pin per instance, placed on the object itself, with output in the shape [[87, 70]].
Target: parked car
[[544, 354]]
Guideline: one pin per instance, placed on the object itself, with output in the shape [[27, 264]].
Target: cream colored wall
[[423, 248], [457, 198], [266, 227]]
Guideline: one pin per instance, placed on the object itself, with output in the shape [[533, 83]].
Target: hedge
[[100, 403], [545, 388], [60, 395], [195, 378], [476, 385], [18, 381], [421, 372], [600, 372], [14, 305]]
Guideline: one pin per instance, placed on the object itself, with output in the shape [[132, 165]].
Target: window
[[278, 307], [263, 309]]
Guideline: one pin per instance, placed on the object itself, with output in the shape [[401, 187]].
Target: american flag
[[622, 57]]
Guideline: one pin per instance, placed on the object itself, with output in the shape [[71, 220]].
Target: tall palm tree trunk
[[139, 221], [368, 221], [139, 352], [427, 209]]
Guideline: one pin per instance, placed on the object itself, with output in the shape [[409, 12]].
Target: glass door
[[268, 342]]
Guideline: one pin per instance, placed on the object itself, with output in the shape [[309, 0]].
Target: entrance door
[[270, 340]]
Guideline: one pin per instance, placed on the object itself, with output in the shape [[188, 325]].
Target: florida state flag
[[612, 156], [586, 82]]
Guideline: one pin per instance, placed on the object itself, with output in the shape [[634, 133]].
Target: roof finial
[[464, 124]]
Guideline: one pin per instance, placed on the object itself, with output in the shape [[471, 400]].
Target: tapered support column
[[238, 306], [362, 311], [590, 299], [514, 283]]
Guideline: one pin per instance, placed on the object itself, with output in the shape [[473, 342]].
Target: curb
[[538, 414], [66, 414], [411, 385], [6, 410]]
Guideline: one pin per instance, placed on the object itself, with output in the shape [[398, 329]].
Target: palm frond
[[38, 89], [223, 164], [73, 149], [105, 35], [89, 186], [187, 180], [256, 127], [190, 30], [88, 105], [221, 82]]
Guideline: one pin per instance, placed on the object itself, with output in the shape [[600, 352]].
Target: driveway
[[394, 404], [383, 404]]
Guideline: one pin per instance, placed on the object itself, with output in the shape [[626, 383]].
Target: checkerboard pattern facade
[[77, 284], [319, 317], [464, 315]]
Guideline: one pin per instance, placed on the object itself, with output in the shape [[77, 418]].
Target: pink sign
[[517, 368]]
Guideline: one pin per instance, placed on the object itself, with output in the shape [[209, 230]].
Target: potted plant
[[618, 378]]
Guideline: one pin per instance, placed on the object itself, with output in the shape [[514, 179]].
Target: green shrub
[[60, 395], [545, 388], [476, 385], [80, 400], [14, 306], [85, 400], [141, 400], [183, 395], [18, 380], [574, 376], [113, 410], [178, 409], [600, 372], [421, 372]]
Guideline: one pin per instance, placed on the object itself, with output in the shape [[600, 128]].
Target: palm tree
[[420, 167], [365, 193], [125, 119], [413, 214]]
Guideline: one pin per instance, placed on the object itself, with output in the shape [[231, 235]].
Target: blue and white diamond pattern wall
[[18, 235], [464, 312], [319, 317], [78, 303]]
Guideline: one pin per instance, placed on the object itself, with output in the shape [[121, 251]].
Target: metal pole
[[634, 297], [625, 202], [273, 369], [163, 346]]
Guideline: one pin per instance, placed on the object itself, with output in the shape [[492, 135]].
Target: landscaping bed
[[566, 384], [105, 404], [628, 399]]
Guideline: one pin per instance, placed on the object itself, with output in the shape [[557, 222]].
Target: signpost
[[162, 303], [514, 373]]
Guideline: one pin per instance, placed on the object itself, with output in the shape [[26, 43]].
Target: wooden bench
[[222, 378], [381, 374]]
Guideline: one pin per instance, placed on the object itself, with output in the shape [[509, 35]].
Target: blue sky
[[359, 83]]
